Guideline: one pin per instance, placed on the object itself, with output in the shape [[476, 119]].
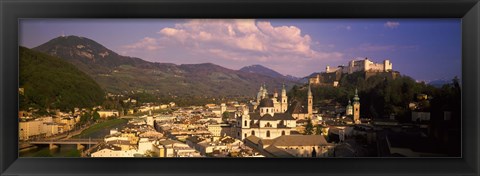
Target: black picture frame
[[467, 10]]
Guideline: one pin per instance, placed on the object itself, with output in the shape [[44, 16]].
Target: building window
[[245, 135], [238, 134], [268, 133], [245, 123], [283, 133], [253, 133], [267, 110], [261, 110], [268, 124]]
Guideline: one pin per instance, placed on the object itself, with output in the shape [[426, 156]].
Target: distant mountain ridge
[[117, 73], [260, 69]]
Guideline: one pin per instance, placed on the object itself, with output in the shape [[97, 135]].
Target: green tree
[[95, 116], [225, 116], [309, 127], [318, 129], [84, 118]]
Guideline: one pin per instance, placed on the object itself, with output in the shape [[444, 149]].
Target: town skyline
[[290, 47], [108, 88]]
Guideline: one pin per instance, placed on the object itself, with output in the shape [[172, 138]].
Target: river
[[70, 150]]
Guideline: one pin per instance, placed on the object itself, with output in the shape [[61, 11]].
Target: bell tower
[[284, 102], [356, 108]]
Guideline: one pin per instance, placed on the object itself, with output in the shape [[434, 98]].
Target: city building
[[298, 110], [265, 122], [280, 103], [38, 128], [115, 152], [108, 113], [332, 76], [292, 146], [219, 129]]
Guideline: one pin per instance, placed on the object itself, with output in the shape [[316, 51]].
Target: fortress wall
[[375, 67]]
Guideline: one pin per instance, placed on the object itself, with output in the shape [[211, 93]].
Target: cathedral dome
[[266, 103]]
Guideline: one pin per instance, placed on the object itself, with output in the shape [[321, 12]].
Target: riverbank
[[101, 129]]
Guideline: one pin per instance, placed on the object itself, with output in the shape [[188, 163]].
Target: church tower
[[259, 94], [310, 101], [275, 93], [284, 99], [349, 108], [356, 108], [265, 92]]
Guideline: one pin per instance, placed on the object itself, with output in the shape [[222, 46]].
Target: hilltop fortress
[[332, 76]]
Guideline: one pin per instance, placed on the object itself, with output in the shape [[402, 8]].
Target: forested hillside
[[49, 83]]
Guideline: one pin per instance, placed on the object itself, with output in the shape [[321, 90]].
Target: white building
[[265, 124], [177, 149], [37, 128], [362, 65], [219, 129], [280, 103], [108, 113], [106, 152]]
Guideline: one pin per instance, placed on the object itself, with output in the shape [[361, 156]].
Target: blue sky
[[425, 49]]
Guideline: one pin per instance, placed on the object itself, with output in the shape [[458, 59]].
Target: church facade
[[268, 120], [280, 103]]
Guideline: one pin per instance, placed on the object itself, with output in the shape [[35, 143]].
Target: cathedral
[[280, 103], [268, 120]]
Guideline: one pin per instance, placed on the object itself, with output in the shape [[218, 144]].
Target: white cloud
[[242, 41], [145, 43], [391, 24]]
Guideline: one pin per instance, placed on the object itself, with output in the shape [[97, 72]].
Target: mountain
[[262, 70], [120, 74], [87, 54], [51, 82]]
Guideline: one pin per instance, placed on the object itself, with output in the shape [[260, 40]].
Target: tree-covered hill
[[382, 96], [51, 82]]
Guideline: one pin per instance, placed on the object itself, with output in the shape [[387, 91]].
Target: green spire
[[356, 98]]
